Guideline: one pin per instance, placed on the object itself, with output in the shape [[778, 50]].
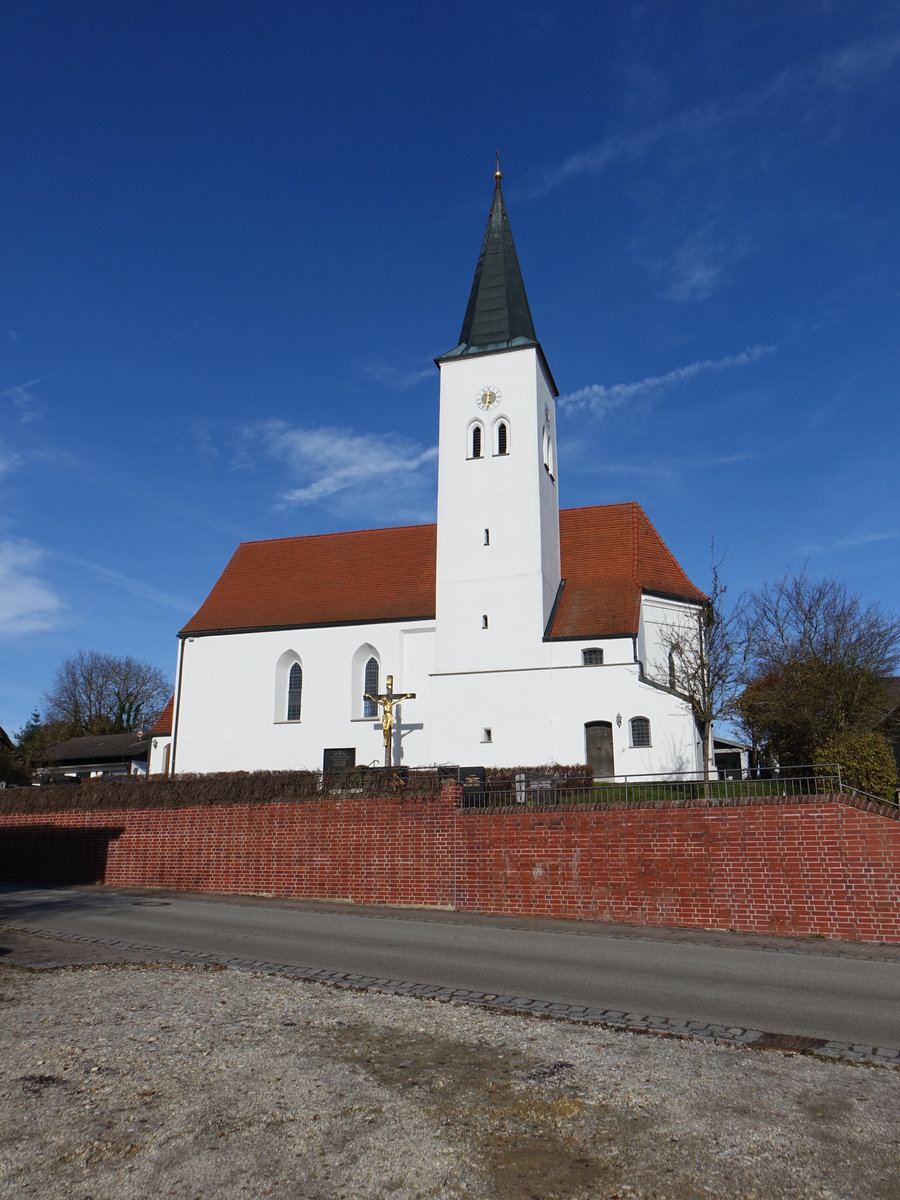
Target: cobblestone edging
[[867, 1055]]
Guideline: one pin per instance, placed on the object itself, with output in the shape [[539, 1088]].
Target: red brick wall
[[827, 865]]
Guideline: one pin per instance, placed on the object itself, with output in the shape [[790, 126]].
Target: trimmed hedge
[[265, 787], [224, 788]]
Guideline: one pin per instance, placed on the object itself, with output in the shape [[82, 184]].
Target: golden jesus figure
[[387, 699]]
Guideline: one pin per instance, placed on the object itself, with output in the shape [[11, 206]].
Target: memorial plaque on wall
[[472, 779], [339, 758]]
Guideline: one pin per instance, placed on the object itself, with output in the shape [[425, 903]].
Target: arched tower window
[[370, 686], [475, 441], [294, 692], [502, 440], [548, 453]]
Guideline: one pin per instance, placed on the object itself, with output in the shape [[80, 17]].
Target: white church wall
[[585, 694], [539, 716], [231, 707], [663, 623], [615, 651], [233, 700]]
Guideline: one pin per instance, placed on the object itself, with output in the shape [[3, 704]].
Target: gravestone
[[472, 779], [341, 758]]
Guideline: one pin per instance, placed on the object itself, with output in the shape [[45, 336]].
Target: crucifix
[[387, 700]]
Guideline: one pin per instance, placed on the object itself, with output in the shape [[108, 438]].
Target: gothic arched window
[[476, 442], [294, 691], [502, 438], [370, 686]]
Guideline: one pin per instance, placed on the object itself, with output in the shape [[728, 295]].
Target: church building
[[524, 635]]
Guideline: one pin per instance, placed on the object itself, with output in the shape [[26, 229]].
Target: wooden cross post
[[387, 700]]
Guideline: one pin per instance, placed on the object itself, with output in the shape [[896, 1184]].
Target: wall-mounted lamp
[[619, 720]]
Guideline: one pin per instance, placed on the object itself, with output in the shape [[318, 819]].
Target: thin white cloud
[[856, 65], [28, 603], [619, 147], [852, 542], [394, 376], [600, 399], [698, 266], [22, 397], [666, 472], [859, 63], [371, 471], [8, 461], [135, 587]]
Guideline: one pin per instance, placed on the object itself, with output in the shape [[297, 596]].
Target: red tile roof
[[328, 579], [163, 726], [610, 554]]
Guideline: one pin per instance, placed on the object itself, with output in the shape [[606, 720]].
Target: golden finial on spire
[[498, 174]]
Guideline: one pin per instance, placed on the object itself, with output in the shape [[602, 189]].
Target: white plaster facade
[[160, 760], [536, 714]]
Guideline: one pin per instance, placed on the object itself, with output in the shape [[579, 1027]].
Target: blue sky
[[233, 237]]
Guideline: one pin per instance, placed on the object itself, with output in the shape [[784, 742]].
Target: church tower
[[498, 567]]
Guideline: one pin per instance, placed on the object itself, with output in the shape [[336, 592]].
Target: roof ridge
[[594, 507], [297, 537], [308, 537]]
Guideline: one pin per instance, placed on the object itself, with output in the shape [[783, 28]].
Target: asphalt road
[[839, 991]]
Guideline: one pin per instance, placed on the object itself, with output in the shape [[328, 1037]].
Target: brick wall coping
[[453, 792], [864, 804]]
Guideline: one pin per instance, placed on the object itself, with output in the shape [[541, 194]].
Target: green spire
[[497, 316]]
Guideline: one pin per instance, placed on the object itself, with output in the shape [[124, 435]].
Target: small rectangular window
[[487, 537], [487, 735], [592, 657], [484, 621]]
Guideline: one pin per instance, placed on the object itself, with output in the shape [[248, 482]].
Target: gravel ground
[[137, 1080]]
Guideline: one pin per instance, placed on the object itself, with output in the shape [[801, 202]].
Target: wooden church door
[[599, 747]]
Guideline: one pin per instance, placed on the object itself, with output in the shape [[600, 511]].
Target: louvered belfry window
[[501, 438], [476, 441]]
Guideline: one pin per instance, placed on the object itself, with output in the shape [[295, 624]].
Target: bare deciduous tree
[[104, 693], [704, 665]]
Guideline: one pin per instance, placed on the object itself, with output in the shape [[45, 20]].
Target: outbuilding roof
[[99, 748], [163, 726], [610, 555]]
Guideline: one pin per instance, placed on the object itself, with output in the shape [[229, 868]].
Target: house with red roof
[[516, 633]]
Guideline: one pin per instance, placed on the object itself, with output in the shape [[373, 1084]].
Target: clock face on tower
[[487, 398]]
